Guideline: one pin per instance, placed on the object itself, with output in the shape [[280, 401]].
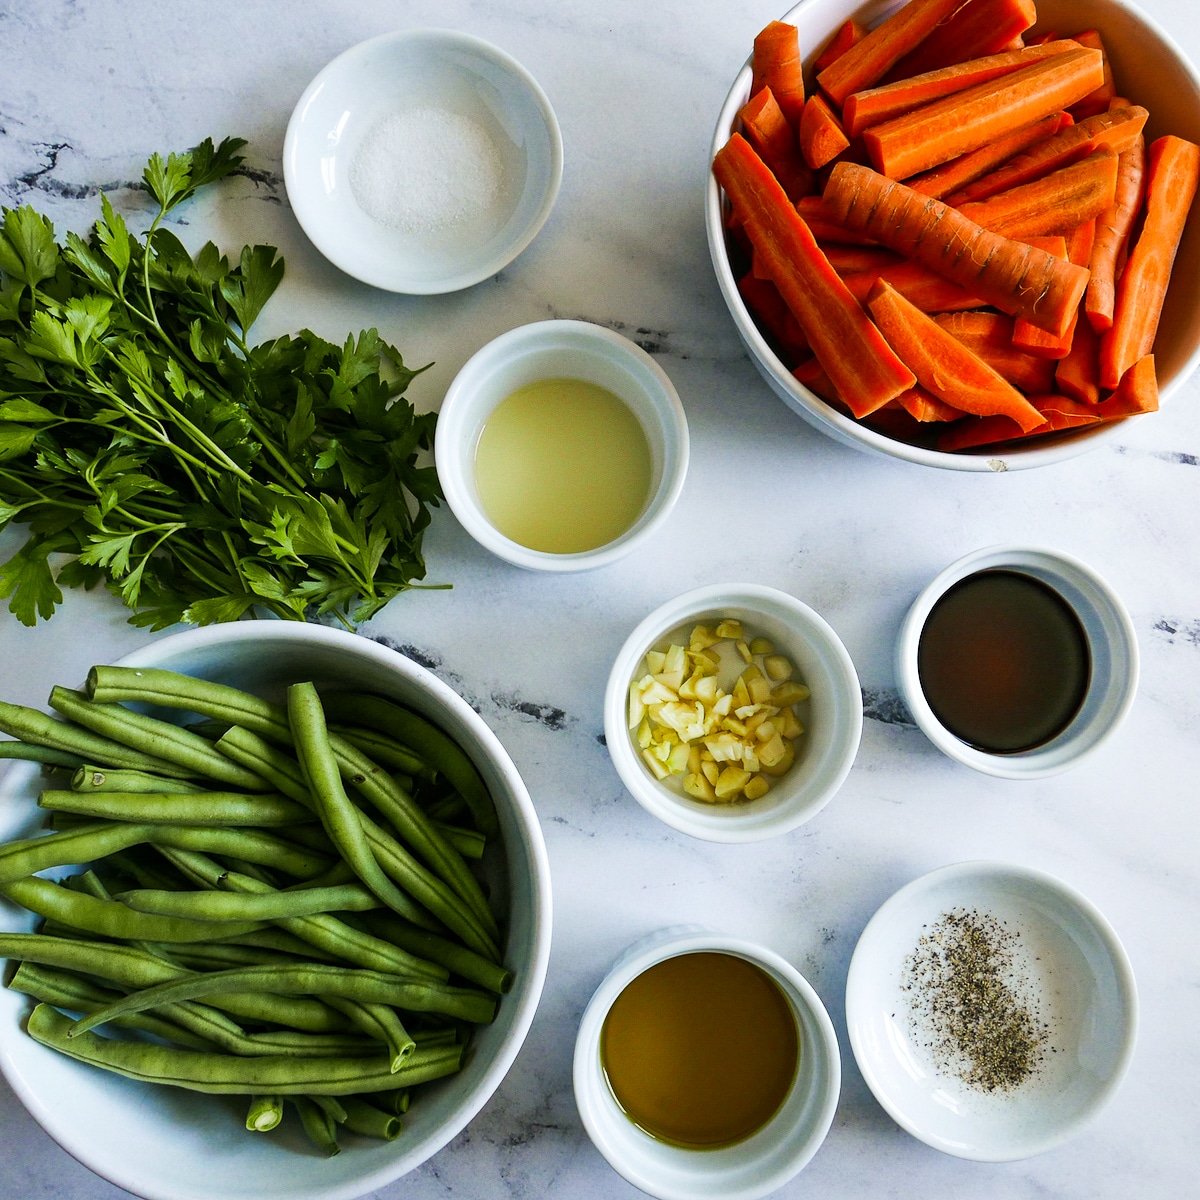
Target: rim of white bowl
[[593, 1096], [1122, 970], [537, 337], [528, 992], [823, 416], [718, 823], [382, 279], [1116, 632]]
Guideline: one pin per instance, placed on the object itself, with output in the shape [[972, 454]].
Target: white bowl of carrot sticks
[[949, 237], [176, 1142]]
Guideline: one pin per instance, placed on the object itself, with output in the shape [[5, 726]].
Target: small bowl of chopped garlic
[[733, 713]]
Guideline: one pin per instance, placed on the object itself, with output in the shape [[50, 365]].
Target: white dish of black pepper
[[991, 1009]]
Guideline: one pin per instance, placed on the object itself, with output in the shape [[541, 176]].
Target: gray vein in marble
[[884, 705], [1187, 631]]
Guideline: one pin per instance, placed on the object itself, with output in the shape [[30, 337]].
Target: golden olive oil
[[563, 466], [700, 1050]]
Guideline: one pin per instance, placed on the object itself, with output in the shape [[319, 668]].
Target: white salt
[[425, 169]]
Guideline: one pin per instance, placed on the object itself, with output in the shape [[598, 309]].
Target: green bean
[[46, 755], [270, 721], [323, 931], [457, 958], [310, 1045], [368, 1121], [32, 725], [467, 842], [395, 1101], [233, 1075], [110, 919], [230, 906], [433, 897], [427, 741], [383, 749], [378, 1021], [186, 808], [275, 939], [69, 991], [312, 980], [331, 1106], [106, 779], [264, 1113], [318, 1125], [97, 839], [215, 956], [324, 781], [337, 875], [447, 808], [154, 737]]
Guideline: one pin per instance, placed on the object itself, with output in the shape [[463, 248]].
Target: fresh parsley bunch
[[197, 476]]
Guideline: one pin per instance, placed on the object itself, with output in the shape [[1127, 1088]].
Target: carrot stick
[[774, 140], [1057, 203], [772, 315], [825, 229], [1172, 170], [1136, 393], [1012, 277], [956, 174], [822, 138], [1057, 412], [990, 335], [1078, 375], [852, 352], [920, 286], [979, 27], [846, 260], [866, 62], [1112, 234], [925, 407], [1076, 248], [1097, 101], [876, 105], [943, 365], [938, 132], [811, 374], [1118, 129], [776, 64], [849, 32], [1039, 39]]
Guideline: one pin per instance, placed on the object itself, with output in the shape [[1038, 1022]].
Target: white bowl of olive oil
[[561, 446], [706, 1066]]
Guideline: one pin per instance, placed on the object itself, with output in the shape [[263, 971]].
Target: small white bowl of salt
[[422, 161]]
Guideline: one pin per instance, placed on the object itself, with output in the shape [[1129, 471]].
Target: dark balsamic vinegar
[[1004, 661]]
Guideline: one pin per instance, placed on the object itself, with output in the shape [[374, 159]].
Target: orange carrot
[[774, 140], [1136, 393], [1057, 412], [1097, 101], [1038, 39], [812, 375], [1078, 375], [864, 64], [825, 229], [849, 32], [776, 64], [1112, 234], [1056, 203], [1076, 247], [876, 105], [920, 286], [846, 260], [1012, 277], [990, 336], [1117, 129], [943, 365], [822, 138], [772, 315], [956, 174], [860, 364], [938, 132], [925, 407], [1172, 171], [979, 27]]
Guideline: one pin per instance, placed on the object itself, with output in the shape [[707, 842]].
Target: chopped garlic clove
[[789, 693], [758, 787], [744, 651], [730, 629], [760, 645], [659, 771], [731, 782], [699, 788], [777, 667], [783, 765]]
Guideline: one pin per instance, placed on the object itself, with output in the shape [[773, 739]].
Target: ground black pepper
[[969, 1004]]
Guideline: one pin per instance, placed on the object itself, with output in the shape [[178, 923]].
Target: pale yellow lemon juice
[[563, 466]]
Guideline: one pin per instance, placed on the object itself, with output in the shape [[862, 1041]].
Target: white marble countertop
[[88, 88]]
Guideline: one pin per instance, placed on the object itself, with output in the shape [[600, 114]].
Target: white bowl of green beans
[[286, 820]]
